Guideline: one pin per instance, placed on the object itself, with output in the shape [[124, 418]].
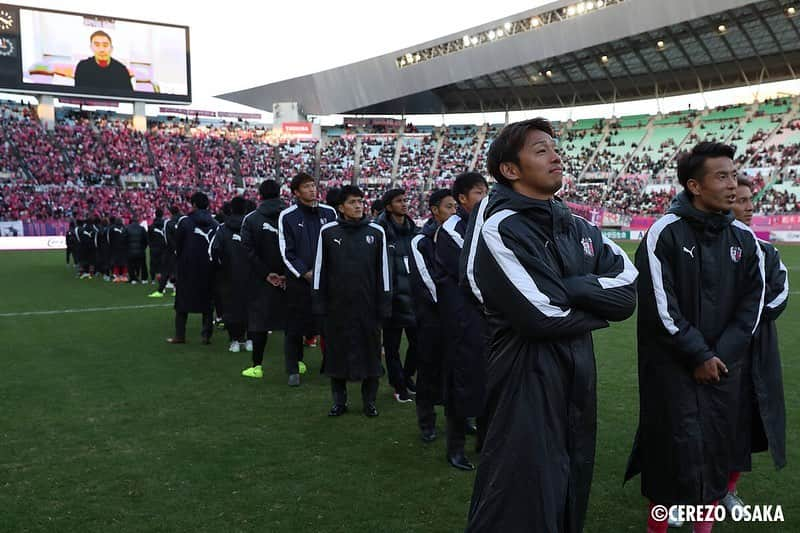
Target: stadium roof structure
[[562, 54]]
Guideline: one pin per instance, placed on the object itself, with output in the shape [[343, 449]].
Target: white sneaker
[[234, 347], [133, 282], [248, 345], [170, 285], [731, 501], [672, 521]]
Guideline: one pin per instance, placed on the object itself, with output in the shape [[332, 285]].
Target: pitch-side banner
[[32, 243]]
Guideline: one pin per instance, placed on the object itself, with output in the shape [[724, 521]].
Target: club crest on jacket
[[588, 247], [736, 254], [370, 239]]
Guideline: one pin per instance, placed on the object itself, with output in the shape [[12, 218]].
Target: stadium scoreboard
[[45, 51]]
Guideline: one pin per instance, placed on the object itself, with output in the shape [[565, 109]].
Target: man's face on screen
[[101, 48]]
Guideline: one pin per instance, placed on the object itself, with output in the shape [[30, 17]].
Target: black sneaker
[[370, 410], [460, 462], [403, 396], [428, 435], [337, 410]]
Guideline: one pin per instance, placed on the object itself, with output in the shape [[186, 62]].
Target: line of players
[[117, 251], [498, 296]]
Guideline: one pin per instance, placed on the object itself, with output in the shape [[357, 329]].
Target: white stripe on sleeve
[[450, 227], [282, 240], [656, 274], [785, 292], [210, 245], [422, 268], [318, 258], [628, 274], [761, 269], [513, 269], [386, 286], [473, 248]]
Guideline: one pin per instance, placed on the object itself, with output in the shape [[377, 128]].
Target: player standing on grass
[[352, 293], [232, 274], [430, 338], [762, 411], [463, 323], [399, 229], [266, 307], [701, 295], [194, 283], [547, 279], [298, 231]]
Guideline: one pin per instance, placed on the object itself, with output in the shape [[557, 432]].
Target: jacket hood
[[234, 223], [271, 207], [203, 219], [407, 228], [353, 224], [555, 210], [682, 206], [430, 227]]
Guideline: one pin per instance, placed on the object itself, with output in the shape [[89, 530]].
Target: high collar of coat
[[552, 213], [352, 224], [387, 220], [271, 207], [707, 222]]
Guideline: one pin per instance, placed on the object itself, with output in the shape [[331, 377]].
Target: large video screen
[[55, 52]]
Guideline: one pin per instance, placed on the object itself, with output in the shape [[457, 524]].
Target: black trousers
[[180, 325], [429, 393], [137, 268], [236, 331], [155, 263], [400, 373], [167, 270], [259, 339], [292, 351], [456, 434], [369, 391]]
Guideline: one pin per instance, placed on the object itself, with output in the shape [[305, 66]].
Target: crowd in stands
[[85, 163], [377, 156], [457, 151]]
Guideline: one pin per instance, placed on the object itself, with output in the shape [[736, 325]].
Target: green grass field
[[104, 427]]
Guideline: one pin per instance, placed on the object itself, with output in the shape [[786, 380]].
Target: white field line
[[84, 310]]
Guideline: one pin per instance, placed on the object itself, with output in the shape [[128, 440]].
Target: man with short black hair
[[137, 252], [156, 243], [546, 279], [168, 259], [352, 292], [194, 283], [399, 230], [298, 231], [232, 274], [118, 248], [103, 252], [266, 307], [87, 247], [462, 321], [701, 296], [762, 411], [101, 71], [430, 338]]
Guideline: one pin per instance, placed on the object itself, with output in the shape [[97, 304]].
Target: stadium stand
[[625, 165]]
